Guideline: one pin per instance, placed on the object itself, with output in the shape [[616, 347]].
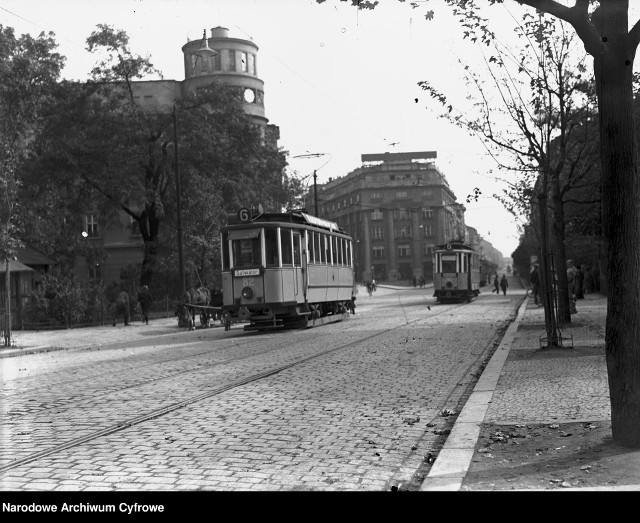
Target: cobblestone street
[[354, 405]]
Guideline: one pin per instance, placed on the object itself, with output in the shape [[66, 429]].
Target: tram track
[[171, 407]]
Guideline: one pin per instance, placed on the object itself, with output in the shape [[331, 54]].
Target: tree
[[101, 142], [29, 67], [612, 42], [541, 125]]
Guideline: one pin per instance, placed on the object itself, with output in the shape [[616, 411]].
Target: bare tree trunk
[[621, 224], [564, 312]]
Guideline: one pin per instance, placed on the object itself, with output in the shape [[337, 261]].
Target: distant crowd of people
[[580, 281]]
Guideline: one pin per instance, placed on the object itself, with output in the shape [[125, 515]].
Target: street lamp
[[204, 51]]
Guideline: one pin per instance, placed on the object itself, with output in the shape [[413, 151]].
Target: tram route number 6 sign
[[244, 215]]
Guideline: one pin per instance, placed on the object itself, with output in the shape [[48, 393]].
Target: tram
[[456, 273], [287, 269]]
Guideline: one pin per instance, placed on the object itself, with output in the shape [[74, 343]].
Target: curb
[[453, 461]]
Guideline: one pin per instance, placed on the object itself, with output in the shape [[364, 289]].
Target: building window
[[427, 193], [427, 212], [428, 250], [404, 251], [375, 196], [91, 225], [403, 232], [402, 194], [244, 62], [134, 228], [232, 60], [217, 62], [204, 64], [378, 233], [401, 214], [376, 214], [378, 252], [428, 230]]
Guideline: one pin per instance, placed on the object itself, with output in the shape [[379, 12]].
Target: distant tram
[[285, 270], [456, 273]]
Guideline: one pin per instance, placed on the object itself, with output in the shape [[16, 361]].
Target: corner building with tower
[[235, 64]]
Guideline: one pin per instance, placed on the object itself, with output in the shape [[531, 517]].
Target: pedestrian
[[121, 308], [352, 304], [571, 286], [496, 285], [579, 283], [145, 299], [414, 281], [504, 284], [534, 278], [422, 281]]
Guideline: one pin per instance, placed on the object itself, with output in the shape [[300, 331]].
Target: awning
[[14, 266]]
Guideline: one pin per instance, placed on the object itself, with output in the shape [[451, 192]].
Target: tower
[[234, 64]]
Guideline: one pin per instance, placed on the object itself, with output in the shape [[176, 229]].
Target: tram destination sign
[[246, 272]]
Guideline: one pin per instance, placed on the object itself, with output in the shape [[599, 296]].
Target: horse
[[193, 296], [121, 307]]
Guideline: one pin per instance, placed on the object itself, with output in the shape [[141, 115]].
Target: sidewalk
[[539, 418], [29, 342]]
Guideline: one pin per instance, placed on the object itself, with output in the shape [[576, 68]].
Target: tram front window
[[246, 252], [449, 263]]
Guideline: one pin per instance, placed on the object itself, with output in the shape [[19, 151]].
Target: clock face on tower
[[249, 95]]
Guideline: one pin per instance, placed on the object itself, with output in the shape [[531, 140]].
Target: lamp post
[[204, 51], [315, 175]]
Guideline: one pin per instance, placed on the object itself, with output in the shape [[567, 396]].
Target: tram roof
[[297, 217], [451, 246]]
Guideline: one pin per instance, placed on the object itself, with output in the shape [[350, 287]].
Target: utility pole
[[315, 191], [315, 175]]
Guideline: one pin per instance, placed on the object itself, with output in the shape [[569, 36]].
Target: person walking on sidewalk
[[121, 308], [504, 284], [571, 286], [145, 299], [534, 278], [496, 285]]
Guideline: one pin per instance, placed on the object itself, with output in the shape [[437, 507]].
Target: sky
[[339, 82]]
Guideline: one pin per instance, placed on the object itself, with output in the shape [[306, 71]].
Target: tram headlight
[[449, 285], [247, 293]]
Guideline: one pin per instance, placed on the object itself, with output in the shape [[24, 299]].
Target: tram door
[[297, 267]]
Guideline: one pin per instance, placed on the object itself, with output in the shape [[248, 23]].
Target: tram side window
[[334, 249], [285, 240], [321, 252], [311, 246], [340, 251], [225, 251], [327, 249], [271, 247], [296, 250], [348, 253], [318, 247], [246, 252]]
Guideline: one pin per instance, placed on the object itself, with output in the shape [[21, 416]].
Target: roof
[[14, 266], [31, 256]]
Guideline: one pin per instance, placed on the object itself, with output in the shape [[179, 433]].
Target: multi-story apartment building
[[233, 64], [397, 207]]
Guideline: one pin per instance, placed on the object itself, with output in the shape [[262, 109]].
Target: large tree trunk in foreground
[[621, 223]]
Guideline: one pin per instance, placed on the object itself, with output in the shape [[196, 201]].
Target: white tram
[[456, 272], [285, 270]]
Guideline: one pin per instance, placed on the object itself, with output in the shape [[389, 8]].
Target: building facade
[[397, 207]]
